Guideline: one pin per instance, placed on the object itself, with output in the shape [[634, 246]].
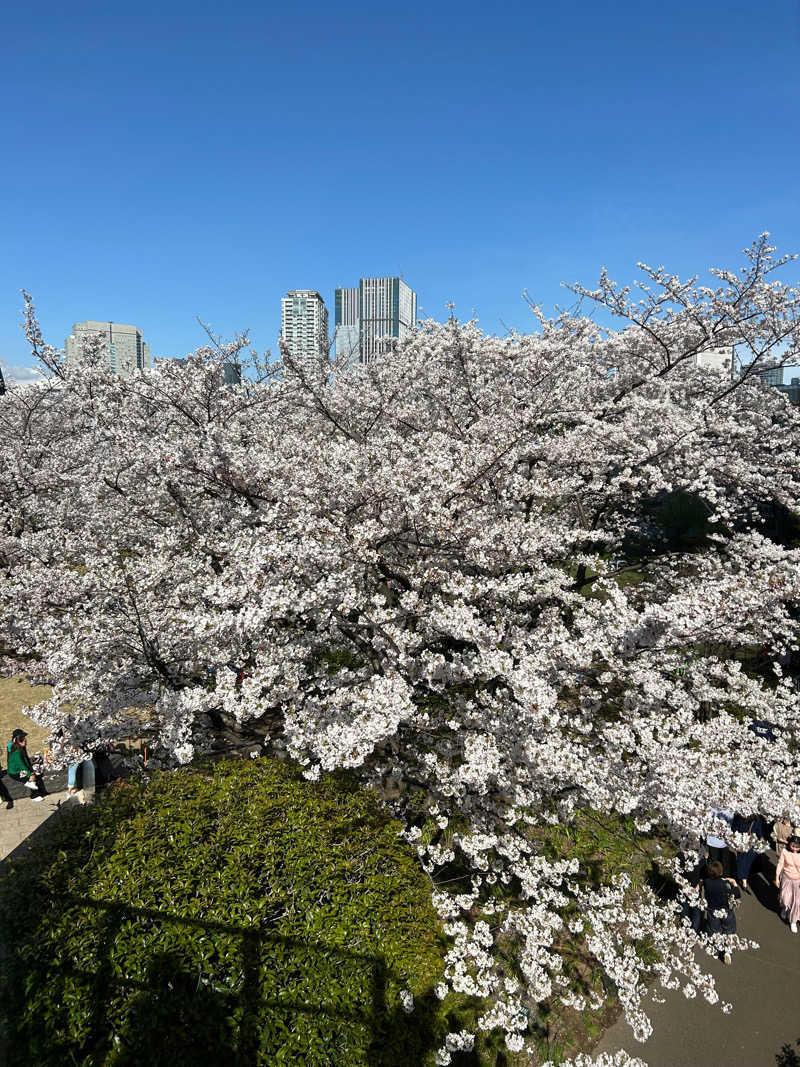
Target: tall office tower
[[791, 391], [125, 351], [369, 317], [346, 326], [304, 324]]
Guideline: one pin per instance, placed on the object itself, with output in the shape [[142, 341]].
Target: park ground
[[763, 1030], [16, 693]]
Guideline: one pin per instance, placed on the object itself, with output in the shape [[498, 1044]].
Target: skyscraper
[[304, 324], [369, 316], [346, 326], [791, 391], [125, 351]]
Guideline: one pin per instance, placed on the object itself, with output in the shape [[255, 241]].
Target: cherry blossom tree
[[446, 569]]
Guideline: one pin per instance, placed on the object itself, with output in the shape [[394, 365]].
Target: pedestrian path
[[21, 822], [764, 987]]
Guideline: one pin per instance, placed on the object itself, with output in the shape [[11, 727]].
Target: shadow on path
[[761, 985], [762, 882]]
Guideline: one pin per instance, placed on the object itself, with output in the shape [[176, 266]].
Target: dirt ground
[[15, 693]]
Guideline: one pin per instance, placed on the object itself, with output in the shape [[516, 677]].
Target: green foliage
[[605, 845], [340, 659], [237, 913]]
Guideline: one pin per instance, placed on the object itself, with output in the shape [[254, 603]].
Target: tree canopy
[[452, 568]]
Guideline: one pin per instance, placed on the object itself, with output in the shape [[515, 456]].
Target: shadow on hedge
[[249, 917], [174, 1017], [235, 913]]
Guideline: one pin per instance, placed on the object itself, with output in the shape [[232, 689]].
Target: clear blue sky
[[166, 160]]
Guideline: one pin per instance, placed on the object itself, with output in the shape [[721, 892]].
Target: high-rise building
[[124, 350], [368, 317], [346, 325], [231, 373], [726, 361], [770, 375], [769, 372], [304, 324], [791, 391]]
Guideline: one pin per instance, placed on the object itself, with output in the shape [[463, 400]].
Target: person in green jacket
[[20, 767]]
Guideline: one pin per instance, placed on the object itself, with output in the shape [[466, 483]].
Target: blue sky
[[163, 161]]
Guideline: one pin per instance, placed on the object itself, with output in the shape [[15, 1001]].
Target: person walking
[[782, 831], [753, 827], [787, 879], [21, 768], [717, 847], [720, 894]]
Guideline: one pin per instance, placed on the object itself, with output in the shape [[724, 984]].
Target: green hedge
[[235, 913]]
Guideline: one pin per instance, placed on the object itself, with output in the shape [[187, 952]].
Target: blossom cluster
[[520, 577]]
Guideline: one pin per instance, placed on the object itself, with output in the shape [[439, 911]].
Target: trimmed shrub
[[235, 913]]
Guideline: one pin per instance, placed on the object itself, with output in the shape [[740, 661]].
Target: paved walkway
[[764, 988], [23, 819], [20, 823]]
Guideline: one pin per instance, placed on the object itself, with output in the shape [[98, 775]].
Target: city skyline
[[304, 318], [479, 156], [305, 328]]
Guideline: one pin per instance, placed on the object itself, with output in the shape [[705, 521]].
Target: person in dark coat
[[104, 771], [720, 893], [4, 793]]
